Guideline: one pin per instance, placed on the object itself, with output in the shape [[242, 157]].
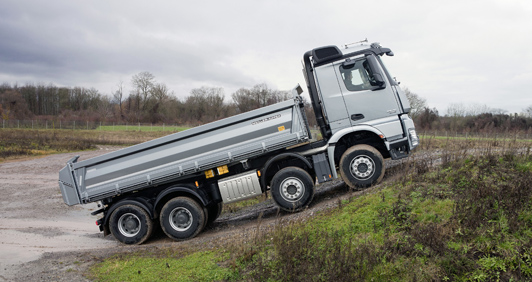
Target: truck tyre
[[131, 224], [292, 189], [361, 166], [182, 218]]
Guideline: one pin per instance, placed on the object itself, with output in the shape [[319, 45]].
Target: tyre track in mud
[[43, 239]]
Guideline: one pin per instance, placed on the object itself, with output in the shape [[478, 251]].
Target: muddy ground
[[43, 239]]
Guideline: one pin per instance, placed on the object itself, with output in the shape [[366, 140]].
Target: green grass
[[469, 221], [199, 266]]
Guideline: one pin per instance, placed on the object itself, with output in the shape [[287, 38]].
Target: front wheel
[[361, 166], [131, 224], [292, 189], [182, 218]]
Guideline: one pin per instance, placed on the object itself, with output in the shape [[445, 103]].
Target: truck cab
[[357, 102]]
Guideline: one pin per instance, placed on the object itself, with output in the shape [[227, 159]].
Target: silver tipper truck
[[181, 181]]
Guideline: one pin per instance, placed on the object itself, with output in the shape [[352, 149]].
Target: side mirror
[[378, 78], [379, 81]]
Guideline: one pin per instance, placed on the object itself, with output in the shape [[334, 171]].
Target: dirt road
[[33, 217], [42, 239]]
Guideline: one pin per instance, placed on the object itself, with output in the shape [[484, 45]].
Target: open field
[[24, 142], [89, 125], [17, 143], [168, 129]]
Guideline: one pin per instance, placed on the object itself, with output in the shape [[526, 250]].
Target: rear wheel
[[361, 166], [182, 218], [292, 189], [131, 224]]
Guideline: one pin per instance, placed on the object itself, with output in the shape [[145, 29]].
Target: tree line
[[149, 101], [467, 118]]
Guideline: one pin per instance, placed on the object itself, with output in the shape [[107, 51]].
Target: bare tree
[[160, 92], [118, 96], [159, 96], [456, 110], [205, 104], [528, 111], [258, 96], [476, 109], [417, 104], [104, 107], [243, 100], [142, 83], [497, 111]]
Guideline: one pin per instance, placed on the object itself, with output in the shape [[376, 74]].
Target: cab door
[[367, 94], [331, 98]]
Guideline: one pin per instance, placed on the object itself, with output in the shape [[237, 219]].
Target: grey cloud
[[446, 52]]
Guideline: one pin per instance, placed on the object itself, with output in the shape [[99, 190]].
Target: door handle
[[357, 117]]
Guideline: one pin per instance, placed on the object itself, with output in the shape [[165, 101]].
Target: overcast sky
[[469, 52]]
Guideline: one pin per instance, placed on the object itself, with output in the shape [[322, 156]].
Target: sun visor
[[325, 54]]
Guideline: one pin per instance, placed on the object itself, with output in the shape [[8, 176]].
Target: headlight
[[413, 137]]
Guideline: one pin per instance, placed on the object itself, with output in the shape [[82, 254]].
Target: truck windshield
[[357, 77]]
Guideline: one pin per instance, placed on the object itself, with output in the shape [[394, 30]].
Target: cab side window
[[357, 77]]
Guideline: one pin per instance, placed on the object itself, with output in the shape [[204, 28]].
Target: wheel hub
[[292, 189], [180, 219], [362, 167], [129, 225]]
